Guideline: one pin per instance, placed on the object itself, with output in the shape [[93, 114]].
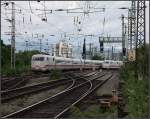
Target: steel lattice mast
[[133, 24], [129, 29], [140, 36], [13, 37]]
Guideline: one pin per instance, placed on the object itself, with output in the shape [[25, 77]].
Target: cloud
[[60, 22]]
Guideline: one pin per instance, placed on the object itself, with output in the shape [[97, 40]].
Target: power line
[[43, 21]]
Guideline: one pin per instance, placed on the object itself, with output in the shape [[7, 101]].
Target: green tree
[[97, 57], [135, 92], [23, 60], [5, 54]]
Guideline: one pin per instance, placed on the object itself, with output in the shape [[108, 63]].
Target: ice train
[[40, 62]]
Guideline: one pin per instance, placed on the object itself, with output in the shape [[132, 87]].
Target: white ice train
[[110, 64], [40, 62]]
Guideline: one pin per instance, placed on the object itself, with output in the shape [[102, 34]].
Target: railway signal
[[123, 36], [101, 46], [124, 51], [107, 39], [84, 49]]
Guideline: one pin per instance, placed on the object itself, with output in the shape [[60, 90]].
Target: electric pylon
[[140, 37]]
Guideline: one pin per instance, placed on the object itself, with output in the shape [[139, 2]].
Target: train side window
[[41, 58], [38, 59]]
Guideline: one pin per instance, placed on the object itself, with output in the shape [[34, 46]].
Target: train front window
[[38, 58]]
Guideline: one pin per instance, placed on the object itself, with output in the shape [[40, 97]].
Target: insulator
[[23, 19], [30, 19], [79, 30], [74, 20], [6, 3], [44, 19]]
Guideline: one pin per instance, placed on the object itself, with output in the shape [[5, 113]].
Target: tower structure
[[133, 25], [13, 36], [129, 29], [140, 38]]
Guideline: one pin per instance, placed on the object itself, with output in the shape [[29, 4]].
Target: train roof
[[113, 61], [38, 55]]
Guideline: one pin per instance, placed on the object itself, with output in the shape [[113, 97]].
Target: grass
[[55, 74], [93, 111], [135, 92], [19, 70], [75, 112]]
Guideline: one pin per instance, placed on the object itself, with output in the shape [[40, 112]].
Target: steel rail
[[52, 97], [82, 97], [9, 115], [15, 82], [14, 93]]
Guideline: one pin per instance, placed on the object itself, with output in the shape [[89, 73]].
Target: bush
[[17, 71], [97, 57], [23, 60], [55, 74], [93, 111], [75, 112], [135, 92]]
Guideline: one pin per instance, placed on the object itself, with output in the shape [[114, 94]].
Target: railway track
[[8, 83], [15, 82], [57, 105], [19, 92], [4, 78]]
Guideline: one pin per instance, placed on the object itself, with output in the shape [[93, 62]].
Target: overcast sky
[[29, 23]]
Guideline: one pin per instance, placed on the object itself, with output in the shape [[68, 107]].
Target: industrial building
[[62, 49]]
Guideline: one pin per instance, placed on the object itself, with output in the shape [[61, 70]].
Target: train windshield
[[107, 62], [38, 59]]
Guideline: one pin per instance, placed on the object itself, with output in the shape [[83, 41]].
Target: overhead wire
[[21, 8], [30, 7], [52, 24], [43, 21]]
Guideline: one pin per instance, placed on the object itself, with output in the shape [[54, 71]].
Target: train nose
[[40, 67], [35, 67]]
